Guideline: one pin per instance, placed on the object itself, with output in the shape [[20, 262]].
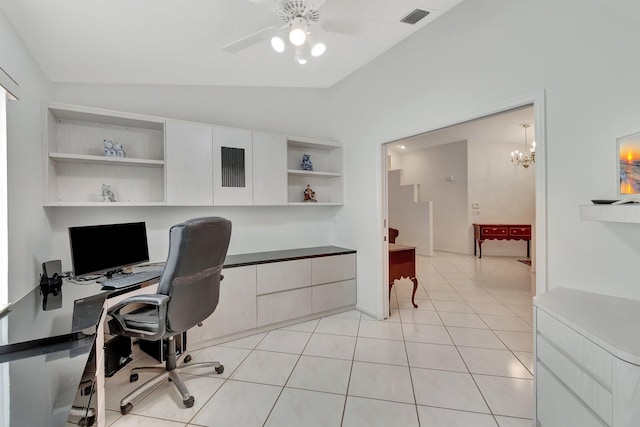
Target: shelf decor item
[[306, 162], [107, 194], [309, 195], [109, 151], [119, 151]]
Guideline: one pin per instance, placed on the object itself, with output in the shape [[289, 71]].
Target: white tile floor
[[463, 358]]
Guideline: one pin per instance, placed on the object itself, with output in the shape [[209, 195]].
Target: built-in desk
[[45, 344]]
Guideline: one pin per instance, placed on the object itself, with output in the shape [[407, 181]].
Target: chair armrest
[[157, 300]]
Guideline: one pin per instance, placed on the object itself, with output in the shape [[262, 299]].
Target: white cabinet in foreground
[[587, 350]]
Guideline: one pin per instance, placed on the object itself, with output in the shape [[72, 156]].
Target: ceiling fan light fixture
[[298, 31], [277, 43], [318, 49], [301, 55]]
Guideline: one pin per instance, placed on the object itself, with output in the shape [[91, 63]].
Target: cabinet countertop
[[610, 322], [284, 255]]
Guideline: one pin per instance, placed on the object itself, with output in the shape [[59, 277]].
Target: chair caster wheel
[[126, 408], [187, 358], [189, 402], [133, 378], [219, 369]]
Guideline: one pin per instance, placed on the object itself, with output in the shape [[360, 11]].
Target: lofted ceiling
[[502, 127], [180, 41]]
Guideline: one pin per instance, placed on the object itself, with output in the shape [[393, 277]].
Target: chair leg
[[125, 403], [187, 399], [215, 365]]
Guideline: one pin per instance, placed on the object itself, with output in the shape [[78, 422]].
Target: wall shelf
[[104, 160], [314, 204], [629, 213], [326, 178], [102, 204], [74, 165], [314, 173]]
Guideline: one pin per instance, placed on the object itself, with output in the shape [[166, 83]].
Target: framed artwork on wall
[[628, 161]]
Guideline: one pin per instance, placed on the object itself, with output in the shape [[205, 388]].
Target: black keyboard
[[126, 280]]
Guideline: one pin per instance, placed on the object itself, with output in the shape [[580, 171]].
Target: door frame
[[540, 227]]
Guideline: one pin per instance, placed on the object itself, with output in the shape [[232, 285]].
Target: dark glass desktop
[[107, 248]]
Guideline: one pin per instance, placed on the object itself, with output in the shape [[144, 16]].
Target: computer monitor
[[107, 248]]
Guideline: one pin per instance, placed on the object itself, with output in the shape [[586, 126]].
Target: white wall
[[29, 231], [505, 193], [431, 168], [483, 56], [411, 217]]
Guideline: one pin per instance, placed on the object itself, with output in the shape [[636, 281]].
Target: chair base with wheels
[[168, 372]]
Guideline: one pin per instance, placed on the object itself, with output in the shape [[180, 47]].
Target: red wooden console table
[[402, 263], [482, 232]]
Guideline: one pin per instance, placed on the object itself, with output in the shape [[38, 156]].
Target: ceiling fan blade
[[250, 40], [268, 4], [352, 28]]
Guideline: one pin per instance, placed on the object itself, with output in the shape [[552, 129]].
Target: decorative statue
[[309, 194], [107, 194], [117, 147], [108, 148], [306, 162]]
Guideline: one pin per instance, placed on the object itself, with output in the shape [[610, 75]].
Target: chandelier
[[524, 159]]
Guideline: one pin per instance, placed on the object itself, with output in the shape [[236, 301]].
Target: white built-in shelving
[[75, 165], [326, 178], [177, 163]]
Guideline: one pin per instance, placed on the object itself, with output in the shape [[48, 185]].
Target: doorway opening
[[461, 174]]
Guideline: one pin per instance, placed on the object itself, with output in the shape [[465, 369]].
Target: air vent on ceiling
[[414, 16]]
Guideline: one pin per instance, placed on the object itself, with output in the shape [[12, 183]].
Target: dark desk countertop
[[284, 255]]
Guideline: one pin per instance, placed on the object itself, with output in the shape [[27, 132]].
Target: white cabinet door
[[188, 163], [232, 167], [236, 310], [269, 169]]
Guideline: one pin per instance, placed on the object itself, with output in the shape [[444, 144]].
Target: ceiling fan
[[298, 16]]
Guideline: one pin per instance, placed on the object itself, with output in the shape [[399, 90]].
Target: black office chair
[[187, 294]]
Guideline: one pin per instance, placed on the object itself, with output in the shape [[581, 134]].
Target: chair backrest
[[191, 277]]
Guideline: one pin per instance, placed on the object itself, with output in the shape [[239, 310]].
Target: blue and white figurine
[[108, 148], [117, 147], [306, 162]]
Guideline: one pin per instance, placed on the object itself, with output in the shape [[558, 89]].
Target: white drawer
[[556, 407], [281, 306], [592, 393], [333, 295], [283, 276], [333, 268], [593, 358]]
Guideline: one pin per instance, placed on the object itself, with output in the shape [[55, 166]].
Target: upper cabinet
[[325, 176], [189, 164], [232, 167], [80, 171], [269, 169], [151, 161]]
